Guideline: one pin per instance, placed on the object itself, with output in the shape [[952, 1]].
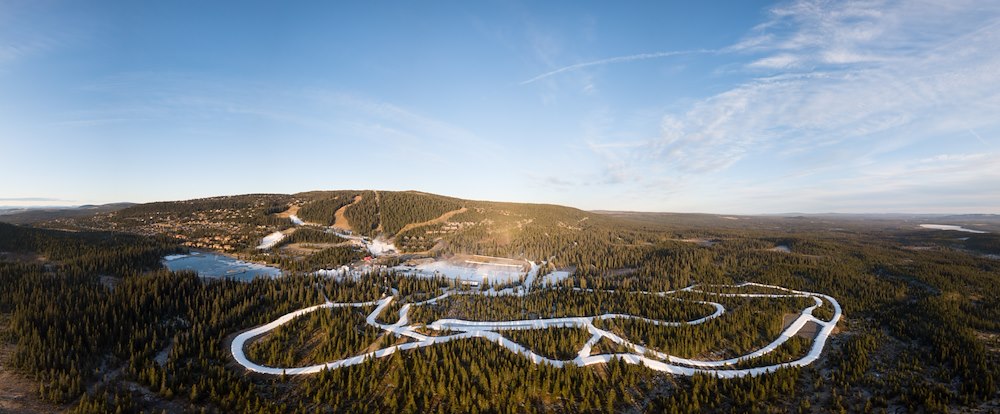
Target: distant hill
[[994, 218], [987, 218], [40, 214], [416, 222], [421, 223]]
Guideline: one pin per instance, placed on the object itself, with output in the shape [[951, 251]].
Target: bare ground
[[808, 331], [441, 219], [378, 207], [310, 248], [18, 394], [288, 213], [340, 221]]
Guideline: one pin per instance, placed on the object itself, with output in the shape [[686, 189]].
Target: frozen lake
[[950, 227], [473, 272], [219, 266]]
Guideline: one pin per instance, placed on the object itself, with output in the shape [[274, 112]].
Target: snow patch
[[296, 220], [379, 247], [781, 248], [270, 240], [338, 272], [555, 277]]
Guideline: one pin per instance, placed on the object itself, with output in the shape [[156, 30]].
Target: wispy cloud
[[27, 202], [979, 138], [950, 80], [868, 78], [314, 117], [14, 52], [783, 61], [962, 182], [616, 59], [20, 41], [29, 199], [419, 127]]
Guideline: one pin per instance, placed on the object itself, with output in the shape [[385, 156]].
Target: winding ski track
[[652, 359]]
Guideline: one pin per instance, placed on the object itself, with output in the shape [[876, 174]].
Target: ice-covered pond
[[950, 227], [219, 266], [471, 272]]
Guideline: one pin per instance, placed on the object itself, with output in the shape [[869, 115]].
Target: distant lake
[[950, 227], [219, 266]]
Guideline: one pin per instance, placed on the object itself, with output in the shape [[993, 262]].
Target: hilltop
[[413, 223]]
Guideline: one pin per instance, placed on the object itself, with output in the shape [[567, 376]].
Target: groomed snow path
[[655, 360]]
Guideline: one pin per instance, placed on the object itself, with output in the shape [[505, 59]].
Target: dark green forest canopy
[[920, 330]]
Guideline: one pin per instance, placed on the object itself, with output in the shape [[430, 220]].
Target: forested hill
[[417, 221], [35, 215], [413, 221]]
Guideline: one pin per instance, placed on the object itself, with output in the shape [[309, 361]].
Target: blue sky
[[739, 107]]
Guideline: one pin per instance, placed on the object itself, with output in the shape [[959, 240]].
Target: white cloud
[[783, 61], [872, 76], [861, 100], [955, 183]]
